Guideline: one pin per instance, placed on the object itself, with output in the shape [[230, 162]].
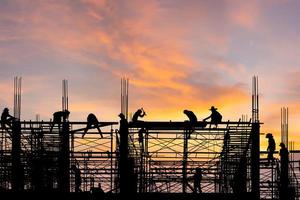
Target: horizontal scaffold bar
[[170, 125]]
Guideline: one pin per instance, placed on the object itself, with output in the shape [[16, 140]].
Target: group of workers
[[284, 165], [215, 116], [283, 153], [92, 122]]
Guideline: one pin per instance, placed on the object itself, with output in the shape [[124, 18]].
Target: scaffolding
[[46, 157], [141, 157], [165, 159], [167, 154]]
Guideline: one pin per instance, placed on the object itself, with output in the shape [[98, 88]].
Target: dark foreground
[[144, 196]]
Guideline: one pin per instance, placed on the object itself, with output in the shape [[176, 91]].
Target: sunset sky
[[177, 54]]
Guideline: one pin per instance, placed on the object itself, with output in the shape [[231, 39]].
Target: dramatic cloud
[[177, 55]]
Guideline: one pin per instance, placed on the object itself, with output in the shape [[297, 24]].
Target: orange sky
[[177, 54]]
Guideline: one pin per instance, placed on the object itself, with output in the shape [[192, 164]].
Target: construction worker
[[197, 180], [77, 174], [139, 113], [98, 191], [215, 116], [58, 117], [192, 117], [6, 118], [141, 137], [271, 147], [192, 121], [92, 122]]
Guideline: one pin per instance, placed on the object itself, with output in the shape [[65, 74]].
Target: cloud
[[144, 40], [244, 14], [177, 55]]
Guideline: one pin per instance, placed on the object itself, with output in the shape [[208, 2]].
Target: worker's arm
[[10, 117], [142, 115], [207, 118]]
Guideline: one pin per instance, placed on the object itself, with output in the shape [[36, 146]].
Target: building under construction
[[156, 158]]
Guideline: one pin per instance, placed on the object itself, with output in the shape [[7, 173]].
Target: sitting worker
[[139, 113], [92, 122], [215, 116]]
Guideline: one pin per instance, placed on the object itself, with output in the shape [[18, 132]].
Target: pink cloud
[[244, 14]]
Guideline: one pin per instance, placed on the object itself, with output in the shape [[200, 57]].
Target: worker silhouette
[[6, 119], [141, 138], [98, 191], [123, 123], [58, 117], [92, 122], [215, 116], [271, 148], [192, 121], [197, 180], [192, 117], [284, 172], [77, 174], [139, 113]]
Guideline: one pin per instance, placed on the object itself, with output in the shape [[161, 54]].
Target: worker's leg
[[99, 130], [272, 157], [51, 127], [88, 126]]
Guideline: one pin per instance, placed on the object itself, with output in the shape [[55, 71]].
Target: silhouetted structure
[[271, 147], [284, 171], [143, 159], [77, 173], [17, 183], [158, 167], [148, 158], [92, 122], [239, 182], [137, 114], [123, 165], [215, 116]]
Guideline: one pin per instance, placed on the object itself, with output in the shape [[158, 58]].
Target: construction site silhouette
[[134, 159]]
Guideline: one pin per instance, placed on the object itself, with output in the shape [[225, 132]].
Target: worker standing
[[271, 147], [197, 180]]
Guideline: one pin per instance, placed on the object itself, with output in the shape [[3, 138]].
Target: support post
[[17, 168], [126, 166], [64, 160], [255, 150], [187, 133]]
